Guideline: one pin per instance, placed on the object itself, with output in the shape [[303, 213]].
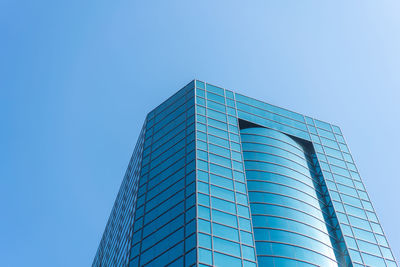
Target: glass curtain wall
[[291, 221]]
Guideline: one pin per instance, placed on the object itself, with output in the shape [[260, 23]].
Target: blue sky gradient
[[78, 77]]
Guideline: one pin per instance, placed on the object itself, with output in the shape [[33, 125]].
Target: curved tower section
[[290, 215]]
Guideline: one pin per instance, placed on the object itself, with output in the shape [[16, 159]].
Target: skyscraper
[[221, 179]]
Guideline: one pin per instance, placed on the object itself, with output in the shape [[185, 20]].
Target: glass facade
[[290, 214], [115, 243], [221, 179]]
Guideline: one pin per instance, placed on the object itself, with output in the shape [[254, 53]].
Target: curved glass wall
[[290, 220]]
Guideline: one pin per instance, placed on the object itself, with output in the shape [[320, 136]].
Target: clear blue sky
[[78, 77]]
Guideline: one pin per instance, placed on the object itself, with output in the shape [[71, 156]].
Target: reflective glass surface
[[225, 233], [286, 200], [112, 250], [221, 179], [165, 225]]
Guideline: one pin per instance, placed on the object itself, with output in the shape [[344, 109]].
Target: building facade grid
[[222, 179]]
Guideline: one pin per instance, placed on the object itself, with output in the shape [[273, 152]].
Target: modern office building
[[221, 179]]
